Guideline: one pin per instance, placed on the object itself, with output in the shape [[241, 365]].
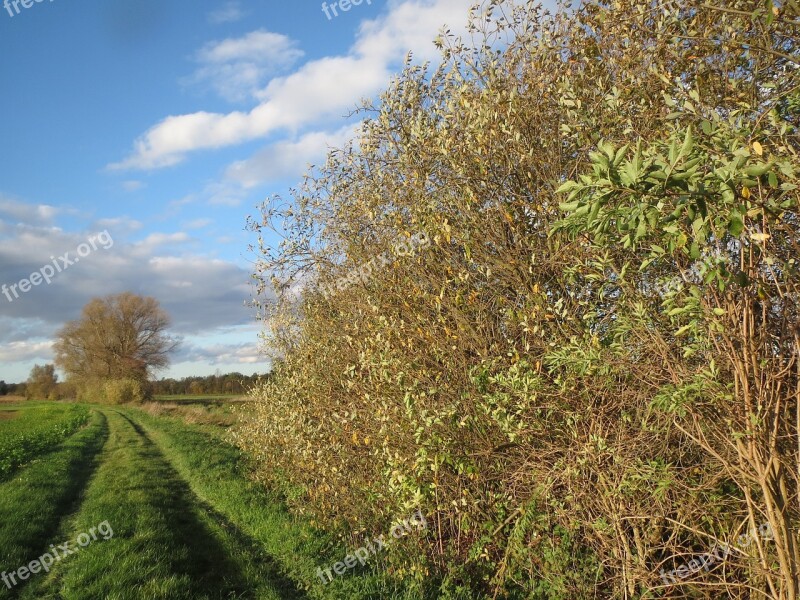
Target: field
[[152, 502]]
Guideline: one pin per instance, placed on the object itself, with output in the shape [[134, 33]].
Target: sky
[[136, 136]]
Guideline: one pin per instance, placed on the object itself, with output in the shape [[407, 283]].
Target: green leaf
[[568, 206], [742, 279], [567, 186], [756, 170], [688, 143], [736, 225], [773, 180]]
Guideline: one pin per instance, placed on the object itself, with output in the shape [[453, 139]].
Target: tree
[[3, 388], [118, 338], [42, 382]]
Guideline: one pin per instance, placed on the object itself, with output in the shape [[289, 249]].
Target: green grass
[[34, 501], [187, 521], [165, 543], [35, 428], [217, 473]]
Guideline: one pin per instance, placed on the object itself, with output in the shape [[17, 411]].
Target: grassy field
[[122, 502]]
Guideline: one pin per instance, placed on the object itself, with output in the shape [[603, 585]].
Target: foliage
[[593, 372], [109, 353], [114, 391], [42, 382], [38, 429], [228, 383], [117, 337]]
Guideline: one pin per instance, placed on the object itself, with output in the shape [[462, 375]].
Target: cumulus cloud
[[319, 89], [24, 351], [286, 158], [236, 68], [229, 13]]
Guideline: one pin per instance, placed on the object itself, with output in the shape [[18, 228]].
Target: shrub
[[114, 391], [593, 371]]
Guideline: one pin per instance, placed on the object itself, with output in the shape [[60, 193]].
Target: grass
[[187, 521], [35, 428], [33, 502], [217, 473], [165, 544]]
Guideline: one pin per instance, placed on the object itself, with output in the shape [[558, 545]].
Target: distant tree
[[16, 389], [118, 338], [3, 388], [42, 382]]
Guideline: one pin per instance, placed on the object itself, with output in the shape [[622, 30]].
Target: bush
[[593, 369], [114, 391]]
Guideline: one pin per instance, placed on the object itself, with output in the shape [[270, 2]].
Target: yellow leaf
[[758, 148], [759, 237], [745, 192]]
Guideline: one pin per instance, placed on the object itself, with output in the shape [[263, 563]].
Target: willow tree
[[116, 344], [591, 376]]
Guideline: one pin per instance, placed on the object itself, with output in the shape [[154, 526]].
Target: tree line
[[229, 383]]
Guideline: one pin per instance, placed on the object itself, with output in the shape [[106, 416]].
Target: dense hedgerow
[[591, 374]]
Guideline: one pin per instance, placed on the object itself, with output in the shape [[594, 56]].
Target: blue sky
[[164, 124]]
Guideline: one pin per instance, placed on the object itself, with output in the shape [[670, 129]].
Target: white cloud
[[200, 292], [198, 224], [237, 67], [23, 351], [243, 354], [152, 242], [286, 158], [224, 193], [27, 214], [229, 13], [124, 224], [132, 185], [323, 88]]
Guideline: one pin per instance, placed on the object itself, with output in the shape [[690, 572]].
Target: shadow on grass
[[207, 562]]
